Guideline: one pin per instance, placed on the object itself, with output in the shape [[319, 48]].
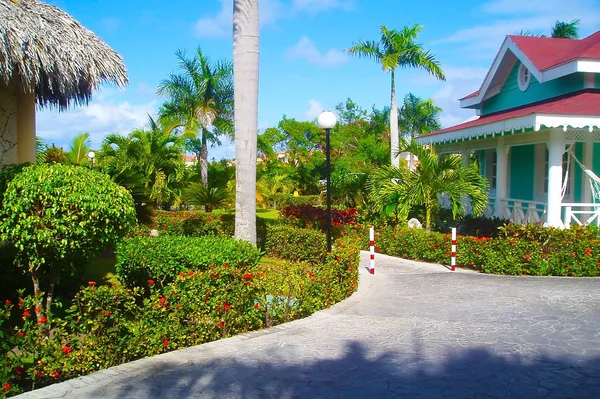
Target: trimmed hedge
[[518, 250], [294, 244], [140, 259]]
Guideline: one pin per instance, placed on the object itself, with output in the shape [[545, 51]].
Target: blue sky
[[303, 67]]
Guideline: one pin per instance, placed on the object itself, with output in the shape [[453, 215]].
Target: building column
[[556, 149], [588, 159], [26, 127], [465, 155], [501, 177]]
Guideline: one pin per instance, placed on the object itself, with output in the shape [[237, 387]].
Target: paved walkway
[[413, 330]]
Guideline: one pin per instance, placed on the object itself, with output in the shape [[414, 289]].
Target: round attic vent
[[524, 77]]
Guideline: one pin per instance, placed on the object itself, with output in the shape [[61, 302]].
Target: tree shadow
[[290, 371]]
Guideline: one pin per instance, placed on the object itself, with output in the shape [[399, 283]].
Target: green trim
[[522, 172], [511, 96]]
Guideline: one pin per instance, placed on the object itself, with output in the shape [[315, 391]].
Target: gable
[[510, 96], [547, 59]]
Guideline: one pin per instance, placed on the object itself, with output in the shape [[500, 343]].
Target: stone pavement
[[412, 330]]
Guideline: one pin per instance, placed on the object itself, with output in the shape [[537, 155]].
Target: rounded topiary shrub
[[58, 216]]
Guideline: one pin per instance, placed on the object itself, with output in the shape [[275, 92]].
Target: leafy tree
[[350, 112], [268, 187], [418, 117], [155, 153], [246, 38], [201, 102], [59, 216], [432, 178], [397, 49]]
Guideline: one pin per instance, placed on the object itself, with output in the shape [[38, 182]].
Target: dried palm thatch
[[42, 48]]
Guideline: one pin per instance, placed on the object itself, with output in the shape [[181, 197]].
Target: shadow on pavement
[[472, 373]]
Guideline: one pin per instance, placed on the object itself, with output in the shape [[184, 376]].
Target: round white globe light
[[327, 120], [91, 155]]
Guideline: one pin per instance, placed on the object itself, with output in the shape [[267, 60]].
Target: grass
[[268, 213]]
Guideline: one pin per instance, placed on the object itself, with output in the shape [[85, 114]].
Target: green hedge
[[517, 250], [140, 259], [296, 244]]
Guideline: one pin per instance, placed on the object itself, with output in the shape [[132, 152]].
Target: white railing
[[581, 214], [523, 212]]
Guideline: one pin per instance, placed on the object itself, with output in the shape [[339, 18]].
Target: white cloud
[[219, 25], [306, 49], [98, 119], [314, 110], [315, 6]]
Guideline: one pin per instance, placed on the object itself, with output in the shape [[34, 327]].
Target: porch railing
[[524, 212], [581, 214]]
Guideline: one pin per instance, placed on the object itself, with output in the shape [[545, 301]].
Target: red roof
[[546, 53], [582, 103]]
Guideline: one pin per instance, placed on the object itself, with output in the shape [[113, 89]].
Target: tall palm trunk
[[246, 31], [204, 160], [411, 156], [394, 126]]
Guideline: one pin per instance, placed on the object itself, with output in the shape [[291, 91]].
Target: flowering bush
[[315, 217], [300, 245], [518, 250], [161, 258]]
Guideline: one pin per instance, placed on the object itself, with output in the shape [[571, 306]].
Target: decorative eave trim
[[533, 122]]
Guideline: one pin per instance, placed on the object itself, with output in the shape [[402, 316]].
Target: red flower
[[227, 306], [164, 226], [527, 256], [67, 349], [19, 370], [433, 247], [91, 283], [310, 273], [512, 240], [55, 374], [21, 333], [38, 308], [26, 313], [209, 218], [182, 274], [588, 251], [191, 273], [220, 323], [571, 255], [165, 342], [162, 299], [7, 302], [43, 320], [226, 265], [248, 276], [256, 306], [377, 249], [151, 282], [178, 306], [107, 313], [213, 275], [299, 243], [6, 386]]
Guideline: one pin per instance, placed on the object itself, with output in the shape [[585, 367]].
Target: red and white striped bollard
[[372, 250], [453, 258]]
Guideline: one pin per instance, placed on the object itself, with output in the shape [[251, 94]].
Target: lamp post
[[91, 155], [327, 121]]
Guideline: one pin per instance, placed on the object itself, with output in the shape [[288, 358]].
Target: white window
[[524, 77]]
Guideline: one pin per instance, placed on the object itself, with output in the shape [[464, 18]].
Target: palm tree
[[433, 178], [209, 198], [200, 101], [79, 149], [566, 30], [397, 49], [268, 187], [418, 117], [246, 38], [155, 152]]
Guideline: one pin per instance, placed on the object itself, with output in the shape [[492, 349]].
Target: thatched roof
[[44, 48]]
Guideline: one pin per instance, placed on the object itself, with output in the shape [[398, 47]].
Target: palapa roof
[[44, 48]]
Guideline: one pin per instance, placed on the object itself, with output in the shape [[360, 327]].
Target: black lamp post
[[327, 121]]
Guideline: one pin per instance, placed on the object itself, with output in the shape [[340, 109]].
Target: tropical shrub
[[160, 259], [316, 217], [295, 244], [58, 216], [517, 250], [284, 200]]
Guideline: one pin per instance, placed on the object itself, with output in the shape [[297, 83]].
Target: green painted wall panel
[[481, 154], [522, 173], [578, 174], [511, 96], [596, 159]]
